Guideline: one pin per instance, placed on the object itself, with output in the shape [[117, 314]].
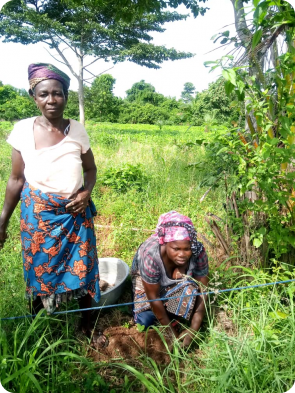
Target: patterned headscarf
[[174, 226], [39, 72]]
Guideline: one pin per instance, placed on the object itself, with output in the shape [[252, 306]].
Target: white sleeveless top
[[55, 169]]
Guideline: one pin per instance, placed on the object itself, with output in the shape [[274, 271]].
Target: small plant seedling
[[140, 327]]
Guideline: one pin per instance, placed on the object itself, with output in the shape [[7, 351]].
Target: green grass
[[165, 158], [257, 353]]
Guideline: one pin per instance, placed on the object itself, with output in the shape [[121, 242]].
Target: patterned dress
[[58, 248]]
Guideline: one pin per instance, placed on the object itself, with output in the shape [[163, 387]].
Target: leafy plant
[[124, 178], [140, 328]]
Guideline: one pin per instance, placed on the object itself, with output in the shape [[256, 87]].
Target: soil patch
[[129, 344]]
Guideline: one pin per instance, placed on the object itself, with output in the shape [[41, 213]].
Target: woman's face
[[50, 98], [179, 251]]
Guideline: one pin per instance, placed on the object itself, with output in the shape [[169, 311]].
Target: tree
[[142, 92], [101, 102], [260, 177], [93, 28], [72, 108], [187, 95], [214, 102]]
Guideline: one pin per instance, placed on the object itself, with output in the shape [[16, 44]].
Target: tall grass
[[38, 356], [256, 355]]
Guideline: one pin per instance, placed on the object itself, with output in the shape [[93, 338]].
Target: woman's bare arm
[[80, 200], [13, 190], [153, 292]]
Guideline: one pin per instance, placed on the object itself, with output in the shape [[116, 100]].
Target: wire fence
[[215, 292]]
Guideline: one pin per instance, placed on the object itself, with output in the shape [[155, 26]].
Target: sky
[[192, 35]]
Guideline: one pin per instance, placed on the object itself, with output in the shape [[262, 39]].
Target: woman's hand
[[79, 202], [186, 337]]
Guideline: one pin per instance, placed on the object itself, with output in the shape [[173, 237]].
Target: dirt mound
[[129, 343]]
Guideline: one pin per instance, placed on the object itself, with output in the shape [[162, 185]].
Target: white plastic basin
[[114, 271]]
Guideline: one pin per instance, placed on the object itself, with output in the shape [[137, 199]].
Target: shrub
[[124, 178], [5, 128]]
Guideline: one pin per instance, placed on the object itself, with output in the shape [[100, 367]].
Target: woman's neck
[[57, 123]]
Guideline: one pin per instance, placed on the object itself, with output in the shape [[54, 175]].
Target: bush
[[124, 178], [143, 114], [18, 108], [5, 128]]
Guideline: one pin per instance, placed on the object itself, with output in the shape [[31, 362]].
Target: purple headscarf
[[39, 72]]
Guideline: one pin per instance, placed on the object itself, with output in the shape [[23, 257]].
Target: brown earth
[[125, 341], [129, 344]]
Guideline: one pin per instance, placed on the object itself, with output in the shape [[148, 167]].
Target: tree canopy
[[93, 28]]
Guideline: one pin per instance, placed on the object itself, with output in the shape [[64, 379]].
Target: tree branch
[[91, 63], [54, 56], [65, 42], [64, 58], [94, 76]]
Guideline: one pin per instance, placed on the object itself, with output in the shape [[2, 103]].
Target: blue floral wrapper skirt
[[58, 248]]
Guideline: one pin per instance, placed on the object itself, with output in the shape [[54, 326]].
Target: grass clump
[[40, 356]]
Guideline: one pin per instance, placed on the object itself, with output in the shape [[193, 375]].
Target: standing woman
[[170, 263], [48, 157]]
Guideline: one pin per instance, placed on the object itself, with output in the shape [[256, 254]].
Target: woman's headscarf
[[39, 72], [174, 226]]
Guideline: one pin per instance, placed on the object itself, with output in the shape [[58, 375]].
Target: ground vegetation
[[243, 342]]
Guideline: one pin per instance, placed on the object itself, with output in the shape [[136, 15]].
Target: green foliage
[[101, 104], [34, 359], [142, 114], [140, 328], [213, 100], [7, 93], [261, 153], [122, 40], [72, 108], [143, 105], [5, 128], [124, 178], [16, 104], [93, 29], [107, 140], [187, 95], [144, 93]]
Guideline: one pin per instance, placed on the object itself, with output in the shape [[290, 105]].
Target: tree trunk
[[242, 29], [81, 91]]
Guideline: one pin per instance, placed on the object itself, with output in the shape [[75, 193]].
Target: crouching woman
[[168, 265]]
